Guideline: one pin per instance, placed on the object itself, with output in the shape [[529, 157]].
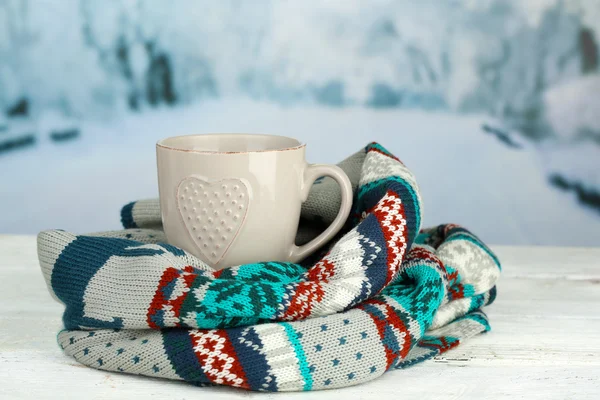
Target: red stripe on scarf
[[160, 302], [218, 358], [390, 213]]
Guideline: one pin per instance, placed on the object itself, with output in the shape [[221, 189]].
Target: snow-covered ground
[[466, 176]]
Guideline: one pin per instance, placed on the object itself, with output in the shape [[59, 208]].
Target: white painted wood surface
[[544, 344]]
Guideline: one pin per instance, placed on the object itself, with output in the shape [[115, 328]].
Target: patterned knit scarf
[[381, 297]]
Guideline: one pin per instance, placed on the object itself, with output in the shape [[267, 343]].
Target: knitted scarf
[[382, 296]]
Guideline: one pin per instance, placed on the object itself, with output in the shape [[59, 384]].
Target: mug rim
[[164, 143]]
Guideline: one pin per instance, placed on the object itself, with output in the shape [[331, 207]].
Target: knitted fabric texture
[[380, 297]]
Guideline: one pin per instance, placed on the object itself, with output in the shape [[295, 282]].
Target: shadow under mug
[[232, 199]]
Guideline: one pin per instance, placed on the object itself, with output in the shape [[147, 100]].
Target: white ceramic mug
[[232, 199]]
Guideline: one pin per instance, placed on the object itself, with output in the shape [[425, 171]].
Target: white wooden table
[[544, 343]]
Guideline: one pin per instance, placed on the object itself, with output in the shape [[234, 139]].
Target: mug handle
[[312, 173]]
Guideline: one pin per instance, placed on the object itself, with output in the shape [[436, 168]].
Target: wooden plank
[[522, 340], [18, 251], [553, 298], [549, 262], [56, 378]]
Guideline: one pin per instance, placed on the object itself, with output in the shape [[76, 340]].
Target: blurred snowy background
[[494, 104]]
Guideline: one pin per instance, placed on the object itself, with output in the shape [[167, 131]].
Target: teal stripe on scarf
[[293, 338]]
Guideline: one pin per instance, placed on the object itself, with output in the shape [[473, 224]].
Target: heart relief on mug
[[232, 199]]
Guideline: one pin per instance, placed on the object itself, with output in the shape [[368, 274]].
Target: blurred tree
[[16, 39], [589, 51], [159, 77]]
